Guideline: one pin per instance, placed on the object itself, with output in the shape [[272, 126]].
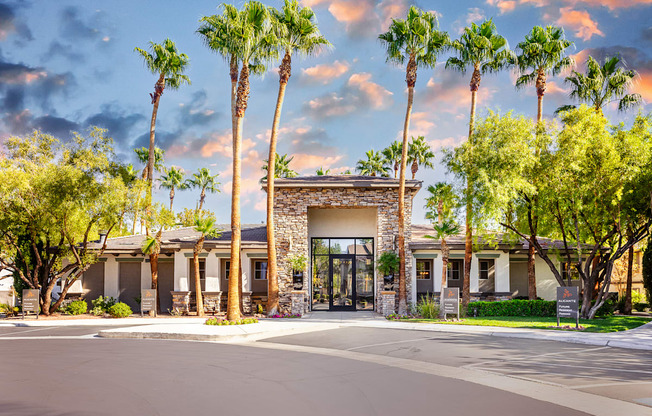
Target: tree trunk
[[272, 272], [153, 264], [198, 295], [235, 288], [171, 198], [415, 169], [628, 288], [156, 97], [468, 243], [202, 197], [531, 273], [541, 90], [411, 77]]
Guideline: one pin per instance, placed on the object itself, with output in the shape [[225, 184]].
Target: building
[[340, 224]]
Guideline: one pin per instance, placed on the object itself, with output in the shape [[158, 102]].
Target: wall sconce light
[[394, 245], [290, 243]]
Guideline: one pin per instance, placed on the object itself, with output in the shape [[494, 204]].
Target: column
[[212, 273], [180, 271], [145, 275], [437, 265], [502, 273], [111, 277], [475, 273]]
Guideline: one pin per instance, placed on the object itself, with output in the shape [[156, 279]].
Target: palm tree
[[166, 62], [420, 154], [206, 227], [543, 52], [245, 37], [204, 181], [393, 154], [142, 154], [152, 247], [418, 41], [375, 164], [602, 85], [322, 172], [173, 179], [442, 203], [483, 49], [281, 167], [297, 33]]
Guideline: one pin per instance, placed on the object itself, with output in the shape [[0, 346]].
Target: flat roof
[[342, 181]]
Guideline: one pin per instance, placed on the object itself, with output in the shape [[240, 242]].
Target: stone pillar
[[246, 303], [387, 302], [181, 302], [298, 299], [212, 302]]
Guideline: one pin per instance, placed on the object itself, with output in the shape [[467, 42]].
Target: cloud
[[503, 5], [612, 4], [580, 21], [56, 126], [449, 92], [325, 73], [421, 124], [117, 121], [195, 113], [9, 24], [389, 9], [358, 93], [646, 34], [11, 73], [67, 52], [475, 14], [303, 162], [72, 27]]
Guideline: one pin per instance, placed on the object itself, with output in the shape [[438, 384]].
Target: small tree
[[206, 228], [158, 218]]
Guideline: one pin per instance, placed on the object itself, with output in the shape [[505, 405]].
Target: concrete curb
[[103, 322]]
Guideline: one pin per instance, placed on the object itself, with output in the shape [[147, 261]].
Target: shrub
[[286, 315], [76, 307], [427, 308], [102, 304], [120, 310], [221, 321], [640, 306], [513, 308], [8, 310]]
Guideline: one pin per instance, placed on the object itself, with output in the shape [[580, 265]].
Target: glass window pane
[[320, 283], [364, 270], [342, 246], [364, 246], [319, 246]]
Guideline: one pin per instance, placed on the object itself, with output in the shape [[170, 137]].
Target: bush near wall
[[515, 307]]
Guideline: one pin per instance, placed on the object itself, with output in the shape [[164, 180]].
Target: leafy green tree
[[376, 164], [603, 84], [166, 62], [204, 181], [543, 52], [186, 218], [420, 154], [56, 199], [206, 228], [417, 40], [393, 154], [173, 179], [442, 203], [480, 47], [281, 167], [297, 34]]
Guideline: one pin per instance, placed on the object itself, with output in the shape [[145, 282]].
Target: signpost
[[568, 302], [451, 301], [147, 301], [30, 301]]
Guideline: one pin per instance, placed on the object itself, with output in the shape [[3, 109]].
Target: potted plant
[[388, 264], [297, 265]]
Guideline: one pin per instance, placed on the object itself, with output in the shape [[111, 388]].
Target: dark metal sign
[[30, 301], [568, 303], [147, 300], [451, 301]]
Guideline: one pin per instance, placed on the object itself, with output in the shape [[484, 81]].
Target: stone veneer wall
[[291, 228]]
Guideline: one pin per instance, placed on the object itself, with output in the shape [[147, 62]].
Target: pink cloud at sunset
[[579, 21], [377, 95], [326, 73]]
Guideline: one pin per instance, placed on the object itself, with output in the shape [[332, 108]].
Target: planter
[[388, 282], [297, 280]]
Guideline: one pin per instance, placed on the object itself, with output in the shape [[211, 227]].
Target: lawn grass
[[610, 324]]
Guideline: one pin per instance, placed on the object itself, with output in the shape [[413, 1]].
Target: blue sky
[[67, 65]]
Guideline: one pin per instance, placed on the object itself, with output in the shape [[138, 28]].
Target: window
[[569, 271], [424, 269], [227, 266], [486, 269], [202, 274], [454, 269], [260, 269]]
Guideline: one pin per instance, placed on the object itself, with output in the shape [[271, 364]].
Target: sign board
[[451, 301], [30, 301], [147, 300], [568, 302]]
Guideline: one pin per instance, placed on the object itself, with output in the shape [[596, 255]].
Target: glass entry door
[[341, 282]]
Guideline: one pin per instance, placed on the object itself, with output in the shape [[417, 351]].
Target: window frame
[[256, 270], [427, 262], [450, 269]]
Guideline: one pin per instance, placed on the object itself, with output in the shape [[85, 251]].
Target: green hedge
[[515, 307]]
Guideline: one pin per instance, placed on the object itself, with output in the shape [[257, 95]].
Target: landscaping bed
[[607, 324]]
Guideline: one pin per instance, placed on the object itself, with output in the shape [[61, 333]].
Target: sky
[[68, 65]]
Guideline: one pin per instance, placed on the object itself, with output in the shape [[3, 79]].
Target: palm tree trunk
[[158, 90], [272, 272], [171, 198], [445, 252], [411, 78], [202, 196], [233, 304], [627, 310], [415, 169], [198, 294], [468, 243]]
